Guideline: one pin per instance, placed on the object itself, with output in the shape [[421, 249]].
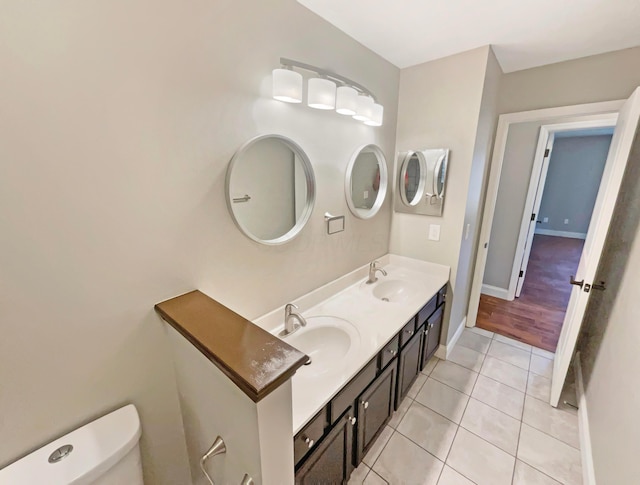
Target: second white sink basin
[[395, 291], [327, 340]]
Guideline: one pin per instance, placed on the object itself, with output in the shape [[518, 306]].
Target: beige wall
[[439, 107], [609, 341], [475, 195], [117, 125], [604, 77]]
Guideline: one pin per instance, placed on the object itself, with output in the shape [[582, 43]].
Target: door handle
[[574, 282]]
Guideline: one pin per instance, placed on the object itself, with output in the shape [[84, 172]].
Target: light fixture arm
[[289, 63]]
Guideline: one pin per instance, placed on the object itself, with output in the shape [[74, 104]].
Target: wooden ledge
[[256, 361]]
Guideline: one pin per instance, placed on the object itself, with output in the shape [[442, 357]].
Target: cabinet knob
[[308, 441], [426, 330], [430, 325], [352, 420], [409, 332], [365, 404], [392, 351]]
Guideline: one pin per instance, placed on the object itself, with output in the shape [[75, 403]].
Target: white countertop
[[377, 322]]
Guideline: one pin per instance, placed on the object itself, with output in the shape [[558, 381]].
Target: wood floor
[[536, 317]]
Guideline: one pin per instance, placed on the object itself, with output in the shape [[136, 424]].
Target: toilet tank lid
[[97, 447]]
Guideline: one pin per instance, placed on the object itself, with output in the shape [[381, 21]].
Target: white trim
[[495, 170], [496, 292], [444, 351], [572, 235], [588, 470]]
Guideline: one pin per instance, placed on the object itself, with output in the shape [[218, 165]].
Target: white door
[[607, 194], [534, 215]]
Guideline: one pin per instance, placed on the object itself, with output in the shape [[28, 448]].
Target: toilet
[[103, 452]]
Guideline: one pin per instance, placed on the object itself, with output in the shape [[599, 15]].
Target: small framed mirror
[[422, 176], [270, 189], [366, 181]]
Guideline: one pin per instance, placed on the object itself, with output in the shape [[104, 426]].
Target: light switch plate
[[566, 221], [366, 194], [545, 219], [434, 232]]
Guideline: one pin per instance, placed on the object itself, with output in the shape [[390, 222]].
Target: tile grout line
[[535, 467], [456, 435], [513, 477]]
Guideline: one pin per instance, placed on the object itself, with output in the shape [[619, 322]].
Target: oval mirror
[[412, 178], [366, 181], [270, 189]]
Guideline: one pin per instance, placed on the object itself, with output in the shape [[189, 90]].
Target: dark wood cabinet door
[[375, 406], [434, 325], [408, 366], [332, 461]]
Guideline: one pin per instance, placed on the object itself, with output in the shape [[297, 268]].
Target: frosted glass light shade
[[287, 85], [321, 93], [365, 108], [376, 117], [347, 100]]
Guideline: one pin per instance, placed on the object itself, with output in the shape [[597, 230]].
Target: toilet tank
[[103, 452]]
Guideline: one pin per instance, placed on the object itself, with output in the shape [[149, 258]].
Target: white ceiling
[[524, 33]]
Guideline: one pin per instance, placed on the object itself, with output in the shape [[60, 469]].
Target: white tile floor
[[482, 417]]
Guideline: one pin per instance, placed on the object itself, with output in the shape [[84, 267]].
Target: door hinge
[[546, 153], [521, 274], [533, 217]]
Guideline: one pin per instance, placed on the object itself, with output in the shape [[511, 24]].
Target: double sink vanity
[[367, 342], [301, 393]]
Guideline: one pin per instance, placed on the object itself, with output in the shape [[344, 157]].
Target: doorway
[[564, 185]]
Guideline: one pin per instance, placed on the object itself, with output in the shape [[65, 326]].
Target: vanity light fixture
[[364, 111], [346, 100], [287, 85], [321, 93], [377, 113], [327, 91]]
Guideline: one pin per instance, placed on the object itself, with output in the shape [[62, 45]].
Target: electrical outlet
[[466, 232], [566, 221], [366, 194], [545, 219], [434, 232]]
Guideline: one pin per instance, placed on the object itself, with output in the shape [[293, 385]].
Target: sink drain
[[384, 299]]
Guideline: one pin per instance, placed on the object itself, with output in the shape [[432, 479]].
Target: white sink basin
[[327, 340], [396, 291]]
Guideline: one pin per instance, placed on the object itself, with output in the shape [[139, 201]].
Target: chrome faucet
[[373, 269], [290, 316]]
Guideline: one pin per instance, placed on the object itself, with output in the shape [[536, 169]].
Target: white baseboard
[[444, 351], [495, 291], [573, 235], [588, 472]]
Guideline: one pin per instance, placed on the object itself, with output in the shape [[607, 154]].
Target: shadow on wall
[[623, 236]]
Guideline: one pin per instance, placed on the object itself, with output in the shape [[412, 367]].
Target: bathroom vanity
[[312, 400], [341, 406]]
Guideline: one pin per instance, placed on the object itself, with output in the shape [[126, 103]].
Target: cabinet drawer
[[309, 435], [407, 332], [352, 390], [427, 310], [389, 352], [442, 295]]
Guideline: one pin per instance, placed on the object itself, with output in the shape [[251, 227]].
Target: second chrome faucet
[[373, 269]]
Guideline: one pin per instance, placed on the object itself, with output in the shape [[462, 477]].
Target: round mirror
[[412, 178], [366, 181], [270, 189]]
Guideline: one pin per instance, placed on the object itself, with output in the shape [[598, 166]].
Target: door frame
[[536, 189], [564, 113]]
